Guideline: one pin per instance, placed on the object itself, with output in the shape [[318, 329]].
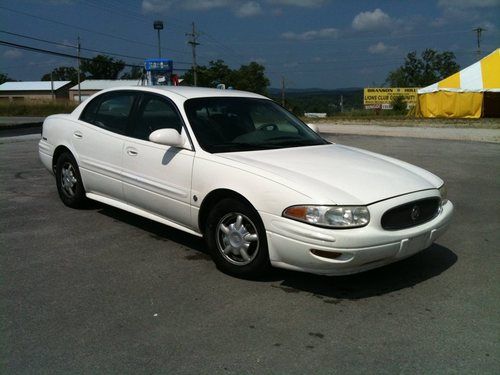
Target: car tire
[[236, 238], [69, 181]]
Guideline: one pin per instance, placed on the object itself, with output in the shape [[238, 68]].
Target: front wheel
[[69, 181], [237, 240]]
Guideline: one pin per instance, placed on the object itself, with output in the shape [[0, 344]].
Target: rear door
[[99, 141], [157, 178]]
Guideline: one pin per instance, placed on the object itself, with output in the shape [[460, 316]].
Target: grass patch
[[38, 108]]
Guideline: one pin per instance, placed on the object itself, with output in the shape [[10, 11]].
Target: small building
[[34, 90], [91, 86]]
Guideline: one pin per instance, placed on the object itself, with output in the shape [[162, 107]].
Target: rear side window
[[112, 112]]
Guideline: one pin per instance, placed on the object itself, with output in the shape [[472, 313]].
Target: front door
[[157, 178]]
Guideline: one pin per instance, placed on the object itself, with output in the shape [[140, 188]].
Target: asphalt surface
[[103, 291]]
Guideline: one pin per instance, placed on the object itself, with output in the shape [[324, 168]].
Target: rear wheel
[[69, 181], [237, 239]]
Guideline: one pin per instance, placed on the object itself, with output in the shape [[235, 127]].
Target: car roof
[[182, 92], [191, 92]]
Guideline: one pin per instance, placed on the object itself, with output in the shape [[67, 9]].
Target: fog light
[[326, 254]]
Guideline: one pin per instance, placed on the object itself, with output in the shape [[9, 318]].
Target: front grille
[[411, 214]]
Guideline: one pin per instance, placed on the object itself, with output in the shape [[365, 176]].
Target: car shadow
[[156, 230], [406, 273]]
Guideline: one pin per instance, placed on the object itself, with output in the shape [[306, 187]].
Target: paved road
[[450, 133], [103, 291]]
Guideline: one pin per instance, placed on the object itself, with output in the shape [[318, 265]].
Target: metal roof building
[[34, 90], [91, 86]]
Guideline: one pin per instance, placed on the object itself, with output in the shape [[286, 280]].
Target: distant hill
[[320, 100], [291, 91]]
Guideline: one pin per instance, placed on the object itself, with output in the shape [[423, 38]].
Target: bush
[[399, 105], [36, 108]]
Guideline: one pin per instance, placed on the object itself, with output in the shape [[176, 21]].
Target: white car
[[258, 184]]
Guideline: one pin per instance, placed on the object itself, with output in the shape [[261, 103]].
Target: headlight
[[330, 216], [444, 194]]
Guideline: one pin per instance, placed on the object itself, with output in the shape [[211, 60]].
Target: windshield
[[223, 124]]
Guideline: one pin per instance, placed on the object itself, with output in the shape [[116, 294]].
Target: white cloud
[[328, 33], [161, 6], [291, 64], [12, 54], [476, 11], [259, 60], [205, 4], [249, 9], [366, 21], [299, 3], [156, 6], [380, 48], [468, 4]]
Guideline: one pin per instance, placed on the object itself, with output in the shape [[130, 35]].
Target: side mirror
[[314, 128], [168, 137]]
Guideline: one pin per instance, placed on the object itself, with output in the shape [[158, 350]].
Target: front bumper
[[290, 242]]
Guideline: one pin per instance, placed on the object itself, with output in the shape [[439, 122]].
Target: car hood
[[338, 174]]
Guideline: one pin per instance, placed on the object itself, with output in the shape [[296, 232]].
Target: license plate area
[[413, 245]]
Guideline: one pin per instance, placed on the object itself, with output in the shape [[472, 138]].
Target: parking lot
[[103, 291]]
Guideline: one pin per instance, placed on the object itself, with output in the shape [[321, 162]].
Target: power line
[[87, 30], [55, 53], [82, 48], [61, 54], [77, 27]]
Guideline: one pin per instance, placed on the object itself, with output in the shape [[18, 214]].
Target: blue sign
[[159, 71], [163, 65]]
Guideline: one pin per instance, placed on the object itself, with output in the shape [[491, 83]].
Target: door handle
[[78, 134], [132, 152]]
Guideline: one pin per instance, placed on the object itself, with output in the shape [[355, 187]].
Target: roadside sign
[[383, 96]]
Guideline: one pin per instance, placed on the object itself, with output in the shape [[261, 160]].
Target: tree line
[[416, 71]]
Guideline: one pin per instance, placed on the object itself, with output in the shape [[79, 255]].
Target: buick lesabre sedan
[[259, 185]]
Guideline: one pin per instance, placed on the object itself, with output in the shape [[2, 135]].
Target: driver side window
[[155, 113]]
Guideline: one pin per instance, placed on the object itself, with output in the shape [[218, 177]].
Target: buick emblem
[[415, 213]]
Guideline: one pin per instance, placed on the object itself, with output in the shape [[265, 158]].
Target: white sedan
[[258, 184]]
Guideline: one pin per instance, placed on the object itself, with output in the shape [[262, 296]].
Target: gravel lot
[[103, 291]]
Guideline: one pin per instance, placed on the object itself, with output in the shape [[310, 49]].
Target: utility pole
[[158, 25], [193, 34], [341, 103], [283, 91], [479, 31], [78, 70], [52, 86]]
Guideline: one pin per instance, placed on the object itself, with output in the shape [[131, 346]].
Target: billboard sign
[[382, 97]]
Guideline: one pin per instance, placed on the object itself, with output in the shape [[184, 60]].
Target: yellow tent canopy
[[471, 93]]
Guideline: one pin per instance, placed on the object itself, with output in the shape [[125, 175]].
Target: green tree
[[102, 67], [5, 78], [64, 73], [425, 70], [134, 73], [249, 77], [216, 72]]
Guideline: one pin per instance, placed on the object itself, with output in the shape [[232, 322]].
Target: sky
[[309, 43]]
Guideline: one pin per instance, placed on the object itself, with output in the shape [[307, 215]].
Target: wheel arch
[[212, 199], [58, 152]]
